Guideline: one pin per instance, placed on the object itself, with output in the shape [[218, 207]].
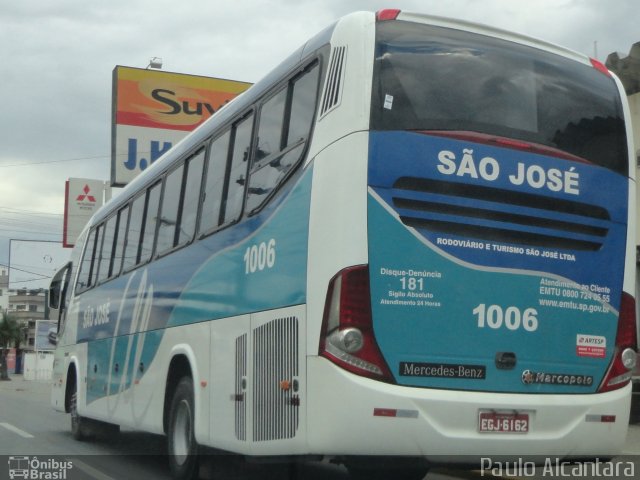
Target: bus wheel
[[183, 449], [80, 428]]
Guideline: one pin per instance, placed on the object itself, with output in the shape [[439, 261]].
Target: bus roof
[[242, 102], [221, 117], [484, 29]]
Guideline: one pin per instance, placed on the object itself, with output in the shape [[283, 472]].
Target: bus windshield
[[431, 78]]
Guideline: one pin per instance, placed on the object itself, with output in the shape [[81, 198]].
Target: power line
[[27, 220], [13, 282], [47, 162], [31, 232], [53, 230], [18, 211], [42, 276], [38, 227], [78, 159]]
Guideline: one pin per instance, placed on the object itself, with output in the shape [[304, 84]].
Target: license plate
[[497, 422]]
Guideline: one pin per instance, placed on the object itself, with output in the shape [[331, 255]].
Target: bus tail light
[[347, 337], [601, 67], [388, 14], [624, 357]]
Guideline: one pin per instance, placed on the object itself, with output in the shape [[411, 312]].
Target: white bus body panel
[[338, 222], [437, 423], [141, 405], [259, 401], [350, 114], [64, 354]]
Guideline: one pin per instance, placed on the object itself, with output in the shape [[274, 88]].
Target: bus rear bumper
[[352, 415]]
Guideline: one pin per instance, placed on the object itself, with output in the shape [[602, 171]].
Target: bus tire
[[182, 445], [80, 426]]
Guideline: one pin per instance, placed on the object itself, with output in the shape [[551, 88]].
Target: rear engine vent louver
[[499, 215], [333, 86]]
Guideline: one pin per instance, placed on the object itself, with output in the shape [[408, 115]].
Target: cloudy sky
[[57, 57]]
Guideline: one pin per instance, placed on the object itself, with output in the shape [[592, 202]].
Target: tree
[[10, 333]]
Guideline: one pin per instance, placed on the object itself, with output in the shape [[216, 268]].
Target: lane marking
[[93, 472], [13, 429]]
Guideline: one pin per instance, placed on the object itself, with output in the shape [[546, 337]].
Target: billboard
[[82, 198], [152, 110], [46, 335], [32, 263]]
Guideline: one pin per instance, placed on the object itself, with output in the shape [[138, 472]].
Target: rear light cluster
[[388, 14], [624, 356], [347, 337], [601, 67]]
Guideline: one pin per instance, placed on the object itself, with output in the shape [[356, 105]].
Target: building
[[28, 306], [627, 68]]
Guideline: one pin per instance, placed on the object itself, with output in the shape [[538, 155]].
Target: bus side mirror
[[57, 288], [54, 295]]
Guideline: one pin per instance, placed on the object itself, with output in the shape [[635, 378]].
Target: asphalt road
[[30, 430]]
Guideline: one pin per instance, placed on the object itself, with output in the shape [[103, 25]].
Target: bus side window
[[214, 183], [303, 106], [84, 276], [291, 124], [191, 198], [169, 210], [93, 276], [75, 265], [270, 127], [237, 173], [133, 233], [150, 222], [69, 286], [107, 249], [121, 231]]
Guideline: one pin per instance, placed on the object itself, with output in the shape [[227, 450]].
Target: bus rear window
[[435, 78]]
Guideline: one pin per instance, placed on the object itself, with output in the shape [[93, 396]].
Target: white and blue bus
[[412, 240]]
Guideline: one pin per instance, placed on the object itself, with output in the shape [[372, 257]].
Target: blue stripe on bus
[[207, 280]]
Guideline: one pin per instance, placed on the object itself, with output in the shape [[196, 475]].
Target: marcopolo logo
[[36, 469], [529, 377]]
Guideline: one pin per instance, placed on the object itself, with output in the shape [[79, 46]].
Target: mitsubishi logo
[[86, 195]]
